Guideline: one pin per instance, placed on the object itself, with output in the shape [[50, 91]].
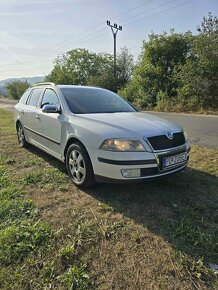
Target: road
[[201, 129], [7, 104]]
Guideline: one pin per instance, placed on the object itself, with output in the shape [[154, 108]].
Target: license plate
[[173, 160]]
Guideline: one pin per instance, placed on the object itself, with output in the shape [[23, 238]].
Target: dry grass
[[152, 235]]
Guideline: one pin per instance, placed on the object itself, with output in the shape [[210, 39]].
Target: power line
[[141, 19], [60, 43], [82, 40], [130, 11], [151, 9], [126, 12], [57, 45], [87, 38], [75, 42]]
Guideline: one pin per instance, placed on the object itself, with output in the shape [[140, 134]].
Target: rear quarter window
[[24, 97]]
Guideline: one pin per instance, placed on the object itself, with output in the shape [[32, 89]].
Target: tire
[[79, 166], [21, 136]]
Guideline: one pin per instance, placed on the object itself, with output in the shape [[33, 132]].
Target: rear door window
[[24, 97], [34, 98]]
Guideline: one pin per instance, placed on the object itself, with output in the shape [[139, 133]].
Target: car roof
[[50, 85], [78, 87]]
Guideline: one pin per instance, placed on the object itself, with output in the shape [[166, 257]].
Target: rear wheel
[[21, 137], [79, 166]]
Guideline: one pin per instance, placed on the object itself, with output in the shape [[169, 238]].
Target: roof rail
[[43, 84]]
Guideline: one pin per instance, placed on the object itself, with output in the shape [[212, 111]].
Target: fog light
[[131, 173]]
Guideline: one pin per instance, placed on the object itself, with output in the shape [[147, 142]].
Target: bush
[[16, 89]]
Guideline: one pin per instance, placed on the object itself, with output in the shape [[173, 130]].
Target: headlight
[[122, 145], [186, 136]]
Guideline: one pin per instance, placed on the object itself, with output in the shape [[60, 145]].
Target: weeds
[[112, 229], [106, 208], [159, 235], [44, 177], [192, 237], [16, 242], [33, 162], [76, 278], [29, 248]]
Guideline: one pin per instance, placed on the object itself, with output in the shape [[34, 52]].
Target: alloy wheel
[[20, 134], [77, 166]]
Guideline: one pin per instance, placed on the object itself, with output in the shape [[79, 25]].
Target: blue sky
[[34, 32]]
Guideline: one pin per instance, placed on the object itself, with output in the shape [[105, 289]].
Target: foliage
[[82, 67], [16, 89], [177, 71], [78, 65], [153, 77], [199, 76], [124, 67]]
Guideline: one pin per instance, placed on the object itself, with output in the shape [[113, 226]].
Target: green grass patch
[[152, 235], [28, 243]]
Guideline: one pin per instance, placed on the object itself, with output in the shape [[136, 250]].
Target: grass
[[152, 235]]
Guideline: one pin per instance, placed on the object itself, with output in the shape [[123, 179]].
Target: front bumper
[[109, 165]]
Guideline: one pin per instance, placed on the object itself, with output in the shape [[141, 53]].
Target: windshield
[[94, 100]]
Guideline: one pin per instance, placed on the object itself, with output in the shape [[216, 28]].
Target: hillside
[[3, 91], [30, 80]]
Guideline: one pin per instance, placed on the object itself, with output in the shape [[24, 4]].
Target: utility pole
[[114, 29]]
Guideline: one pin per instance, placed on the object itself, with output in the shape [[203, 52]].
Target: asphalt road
[[7, 104], [201, 129]]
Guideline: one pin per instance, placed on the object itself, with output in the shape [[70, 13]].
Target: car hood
[[136, 123]]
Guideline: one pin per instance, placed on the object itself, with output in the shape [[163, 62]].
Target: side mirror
[[51, 109]]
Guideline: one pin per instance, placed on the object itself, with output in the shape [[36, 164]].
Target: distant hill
[[3, 91], [30, 80]]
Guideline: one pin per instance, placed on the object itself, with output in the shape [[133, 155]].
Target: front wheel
[[79, 166], [21, 137]]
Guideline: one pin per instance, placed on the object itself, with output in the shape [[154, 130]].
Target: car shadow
[[182, 208], [48, 158]]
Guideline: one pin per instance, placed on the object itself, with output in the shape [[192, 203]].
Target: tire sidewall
[[24, 144], [89, 178]]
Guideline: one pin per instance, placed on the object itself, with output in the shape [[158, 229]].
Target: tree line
[[175, 71], [82, 67]]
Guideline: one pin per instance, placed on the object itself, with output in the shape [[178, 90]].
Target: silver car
[[99, 135]]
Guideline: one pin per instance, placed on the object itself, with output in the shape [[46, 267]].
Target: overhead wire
[[141, 19], [88, 38], [151, 9], [59, 44]]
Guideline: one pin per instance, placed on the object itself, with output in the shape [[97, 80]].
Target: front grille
[[162, 142]]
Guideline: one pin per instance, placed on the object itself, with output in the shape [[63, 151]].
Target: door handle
[[37, 117]]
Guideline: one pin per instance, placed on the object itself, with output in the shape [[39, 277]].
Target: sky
[[34, 32]]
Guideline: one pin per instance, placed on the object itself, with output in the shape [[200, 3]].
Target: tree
[[199, 75], [158, 62], [79, 66], [178, 71], [125, 66], [105, 76], [16, 89]]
